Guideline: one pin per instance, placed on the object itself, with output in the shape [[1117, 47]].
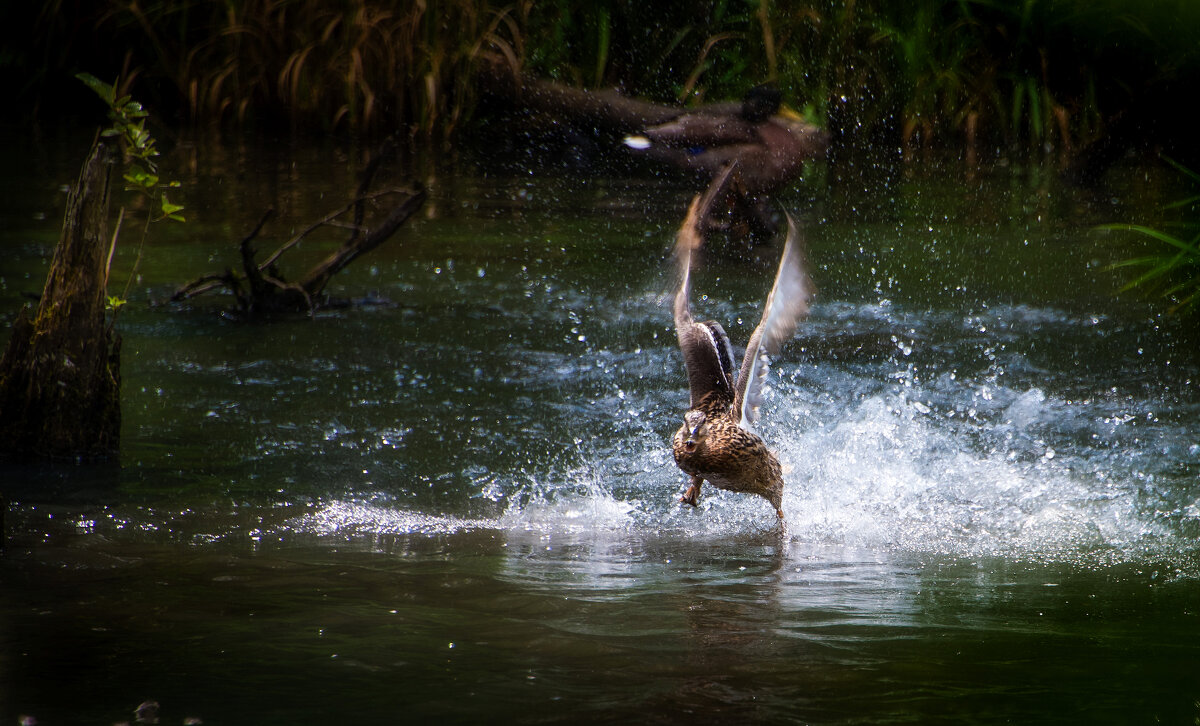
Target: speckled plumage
[[728, 456], [716, 443]]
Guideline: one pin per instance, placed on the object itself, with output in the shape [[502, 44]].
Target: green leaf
[[1136, 262], [1179, 287], [168, 208], [132, 109], [1188, 302], [1151, 232], [102, 89], [1182, 203], [1181, 168], [141, 178], [171, 211], [139, 136]]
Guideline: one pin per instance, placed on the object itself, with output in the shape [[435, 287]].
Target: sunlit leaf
[[141, 178], [104, 90], [168, 208]]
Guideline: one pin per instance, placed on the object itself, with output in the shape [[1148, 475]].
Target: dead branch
[[327, 220], [261, 288], [317, 278]]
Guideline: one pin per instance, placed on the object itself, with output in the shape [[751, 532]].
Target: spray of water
[[894, 456]]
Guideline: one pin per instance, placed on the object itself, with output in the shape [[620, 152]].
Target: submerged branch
[[318, 277], [261, 288], [328, 220]]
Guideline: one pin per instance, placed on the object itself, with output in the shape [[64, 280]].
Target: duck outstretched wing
[[787, 304], [701, 131], [707, 353]]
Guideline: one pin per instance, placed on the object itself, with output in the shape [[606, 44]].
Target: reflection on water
[[460, 503]]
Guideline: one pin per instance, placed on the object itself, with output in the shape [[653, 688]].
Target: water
[[460, 506]]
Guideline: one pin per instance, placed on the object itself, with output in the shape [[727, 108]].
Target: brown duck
[[768, 142], [716, 441]]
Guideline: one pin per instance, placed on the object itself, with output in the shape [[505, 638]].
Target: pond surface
[[457, 503]]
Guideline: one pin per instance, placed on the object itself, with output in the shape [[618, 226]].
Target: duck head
[[760, 103], [695, 428]]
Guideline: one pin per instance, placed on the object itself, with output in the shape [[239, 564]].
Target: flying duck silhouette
[[716, 442], [769, 144]]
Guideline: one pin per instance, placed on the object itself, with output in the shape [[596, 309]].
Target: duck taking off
[[716, 441], [768, 142]]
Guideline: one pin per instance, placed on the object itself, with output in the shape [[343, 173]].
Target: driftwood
[[60, 375], [262, 289]]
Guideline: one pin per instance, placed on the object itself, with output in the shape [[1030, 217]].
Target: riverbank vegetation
[[1171, 268], [1038, 77]]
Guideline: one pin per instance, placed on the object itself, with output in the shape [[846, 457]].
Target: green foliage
[[1172, 271], [1026, 75], [128, 120]]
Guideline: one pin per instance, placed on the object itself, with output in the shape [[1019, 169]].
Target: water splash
[[892, 475], [949, 439], [356, 519]]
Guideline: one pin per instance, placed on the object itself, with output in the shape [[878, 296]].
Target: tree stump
[[60, 375]]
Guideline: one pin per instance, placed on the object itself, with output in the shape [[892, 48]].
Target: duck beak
[[790, 113]]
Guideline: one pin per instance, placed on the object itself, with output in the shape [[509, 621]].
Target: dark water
[[459, 506]]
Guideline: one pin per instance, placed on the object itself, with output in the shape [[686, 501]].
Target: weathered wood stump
[[60, 376]]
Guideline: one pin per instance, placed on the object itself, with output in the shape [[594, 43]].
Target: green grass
[[1172, 270]]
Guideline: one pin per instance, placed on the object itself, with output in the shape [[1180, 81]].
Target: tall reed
[[1030, 76]]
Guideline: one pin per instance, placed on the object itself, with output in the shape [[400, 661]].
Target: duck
[[717, 442], [769, 142]]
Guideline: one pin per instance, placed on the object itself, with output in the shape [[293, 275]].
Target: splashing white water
[[886, 456], [888, 475]]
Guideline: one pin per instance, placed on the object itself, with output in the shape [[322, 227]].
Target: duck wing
[[707, 353], [787, 305], [702, 131]]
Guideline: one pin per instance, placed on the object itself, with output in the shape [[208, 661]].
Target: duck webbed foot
[[692, 495]]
